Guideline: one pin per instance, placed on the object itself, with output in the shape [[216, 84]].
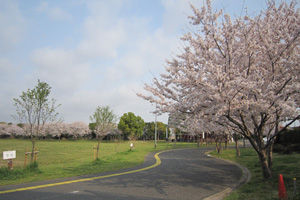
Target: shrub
[[288, 141]]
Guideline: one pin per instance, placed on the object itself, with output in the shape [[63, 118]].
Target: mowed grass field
[[63, 158], [257, 188]]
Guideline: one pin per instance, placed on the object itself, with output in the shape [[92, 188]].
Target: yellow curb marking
[[158, 162]]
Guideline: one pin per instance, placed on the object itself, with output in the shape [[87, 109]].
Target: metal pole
[[167, 133]]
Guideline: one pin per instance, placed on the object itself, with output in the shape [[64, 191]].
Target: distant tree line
[[81, 130]]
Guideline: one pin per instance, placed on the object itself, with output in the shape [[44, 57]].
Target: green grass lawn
[[58, 159], [257, 187]]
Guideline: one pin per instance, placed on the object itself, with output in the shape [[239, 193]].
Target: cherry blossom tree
[[50, 130], [105, 122], [245, 70], [78, 129], [15, 130], [58, 129], [10, 130], [3, 130], [192, 128]]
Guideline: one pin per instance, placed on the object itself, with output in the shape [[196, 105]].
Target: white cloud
[[177, 12], [104, 32], [109, 61], [12, 26], [10, 88], [122, 99], [6, 68], [62, 67], [54, 13]]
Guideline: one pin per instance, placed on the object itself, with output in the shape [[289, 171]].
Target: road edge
[[246, 176]]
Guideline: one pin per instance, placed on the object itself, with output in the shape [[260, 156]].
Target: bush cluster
[[288, 141]]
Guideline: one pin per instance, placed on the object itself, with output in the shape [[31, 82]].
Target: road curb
[[243, 180]]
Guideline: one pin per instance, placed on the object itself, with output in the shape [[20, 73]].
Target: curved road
[[182, 174]]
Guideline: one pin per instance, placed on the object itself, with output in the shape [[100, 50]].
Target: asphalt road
[[182, 174]]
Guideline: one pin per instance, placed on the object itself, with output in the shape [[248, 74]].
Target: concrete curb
[[243, 180]]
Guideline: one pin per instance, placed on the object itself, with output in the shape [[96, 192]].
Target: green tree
[[132, 126], [161, 130], [35, 109], [92, 127], [150, 130], [105, 121]]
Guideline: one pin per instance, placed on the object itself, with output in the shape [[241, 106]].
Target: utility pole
[[167, 133]]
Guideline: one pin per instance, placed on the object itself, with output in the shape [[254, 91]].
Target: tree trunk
[[134, 144], [98, 147], [270, 154], [33, 147], [237, 148], [259, 148], [198, 141], [220, 147], [267, 173], [117, 143], [175, 140], [226, 143], [238, 153]]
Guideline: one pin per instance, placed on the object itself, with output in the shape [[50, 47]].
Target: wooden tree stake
[[35, 154], [94, 153], [26, 155]]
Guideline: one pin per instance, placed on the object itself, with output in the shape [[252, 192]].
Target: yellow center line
[[158, 162]]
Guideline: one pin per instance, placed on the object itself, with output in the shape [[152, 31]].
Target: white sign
[[9, 155]]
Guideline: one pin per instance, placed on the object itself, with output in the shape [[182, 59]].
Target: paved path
[[182, 174]]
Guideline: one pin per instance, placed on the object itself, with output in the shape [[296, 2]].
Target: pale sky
[[93, 52]]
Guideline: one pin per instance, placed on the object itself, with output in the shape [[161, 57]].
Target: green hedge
[[288, 141], [289, 137]]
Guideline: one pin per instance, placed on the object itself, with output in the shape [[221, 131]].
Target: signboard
[[9, 155]]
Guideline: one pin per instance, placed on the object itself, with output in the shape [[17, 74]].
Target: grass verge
[[60, 159], [257, 187]]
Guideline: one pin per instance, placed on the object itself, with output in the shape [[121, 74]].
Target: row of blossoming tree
[[55, 130], [238, 75]]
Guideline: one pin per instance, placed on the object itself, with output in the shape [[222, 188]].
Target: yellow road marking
[[158, 162]]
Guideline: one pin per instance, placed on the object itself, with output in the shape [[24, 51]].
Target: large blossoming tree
[[244, 70]]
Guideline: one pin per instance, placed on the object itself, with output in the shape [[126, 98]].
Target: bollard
[[10, 164], [131, 146]]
